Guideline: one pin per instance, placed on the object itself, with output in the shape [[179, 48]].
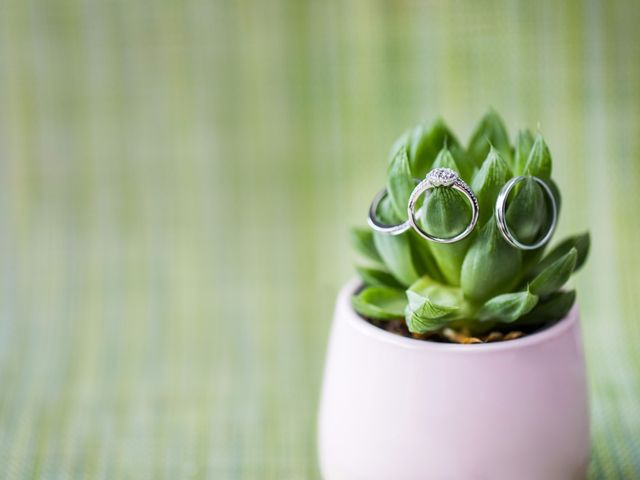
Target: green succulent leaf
[[400, 182], [428, 317], [402, 141], [437, 292], [362, 241], [527, 215], [423, 260], [555, 275], [425, 143], [524, 143], [445, 160], [580, 242], [449, 258], [491, 266], [419, 149], [539, 161], [446, 213], [508, 307], [466, 166], [396, 254], [553, 307], [380, 303], [489, 132], [395, 251], [378, 278], [433, 305], [532, 257], [387, 212], [488, 181]]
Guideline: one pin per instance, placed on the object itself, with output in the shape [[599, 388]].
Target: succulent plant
[[480, 284]]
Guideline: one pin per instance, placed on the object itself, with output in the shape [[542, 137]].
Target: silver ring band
[[501, 215], [377, 225], [442, 177]]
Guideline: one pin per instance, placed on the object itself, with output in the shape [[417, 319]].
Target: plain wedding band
[[501, 215], [377, 225]]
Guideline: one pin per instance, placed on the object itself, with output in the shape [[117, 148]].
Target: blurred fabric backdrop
[[176, 183]]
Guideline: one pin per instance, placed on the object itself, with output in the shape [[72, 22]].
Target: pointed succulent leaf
[[400, 183], [380, 303], [445, 160], [527, 211], [362, 241], [507, 307], [432, 305], [377, 278], [532, 257], [553, 307], [487, 183], [425, 143], [491, 266], [423, 315], [489, 132], [555, 275], [427, 318], [466, 166], [580, 242], [524, 143], [396, 254], [539, 161], [455, 158], [402, 142], [419, 150], [446, 213]]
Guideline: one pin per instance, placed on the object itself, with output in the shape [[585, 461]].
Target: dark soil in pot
[[448, 335]]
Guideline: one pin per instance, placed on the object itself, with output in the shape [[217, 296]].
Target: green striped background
[[176, 183]]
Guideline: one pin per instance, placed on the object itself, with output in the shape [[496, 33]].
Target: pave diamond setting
[[442, 177]]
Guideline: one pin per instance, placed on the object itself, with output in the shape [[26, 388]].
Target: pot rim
[[356, 321]]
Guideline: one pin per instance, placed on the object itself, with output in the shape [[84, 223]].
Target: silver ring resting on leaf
[[443, 177], [377, 225], [501, 216]]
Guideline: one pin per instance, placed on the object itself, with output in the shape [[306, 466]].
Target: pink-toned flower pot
[[395, 408]]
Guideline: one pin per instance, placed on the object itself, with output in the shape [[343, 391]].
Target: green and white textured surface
[[176, 184]]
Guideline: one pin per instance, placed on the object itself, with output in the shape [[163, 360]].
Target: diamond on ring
[[442, 177]]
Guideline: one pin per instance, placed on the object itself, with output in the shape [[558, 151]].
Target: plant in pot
[[457, 353]]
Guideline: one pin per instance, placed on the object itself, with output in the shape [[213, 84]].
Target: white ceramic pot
[[395, 408]]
